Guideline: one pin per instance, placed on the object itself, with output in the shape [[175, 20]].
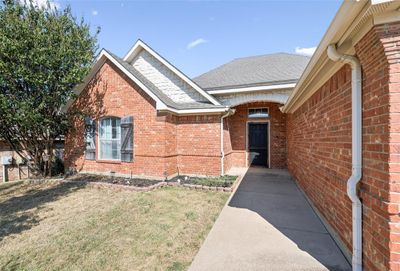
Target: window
[[259, 112], [110, 139]]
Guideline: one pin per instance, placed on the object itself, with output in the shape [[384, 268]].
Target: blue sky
[[219, 31]]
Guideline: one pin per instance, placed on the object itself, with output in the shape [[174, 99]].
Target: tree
[[44, 54]]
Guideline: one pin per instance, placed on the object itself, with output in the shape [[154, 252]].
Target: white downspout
[[230, 112], [356, 151]]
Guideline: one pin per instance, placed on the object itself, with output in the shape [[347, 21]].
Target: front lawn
[[72, 227]]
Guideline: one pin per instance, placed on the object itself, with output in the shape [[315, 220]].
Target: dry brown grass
[[73, 227]]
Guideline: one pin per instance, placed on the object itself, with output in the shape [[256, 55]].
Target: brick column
[[379, 54]]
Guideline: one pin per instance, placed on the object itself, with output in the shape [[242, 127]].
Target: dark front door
[[258, 144]]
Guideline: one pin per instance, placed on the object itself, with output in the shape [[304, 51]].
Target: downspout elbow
[[334, 55], [352, 185]]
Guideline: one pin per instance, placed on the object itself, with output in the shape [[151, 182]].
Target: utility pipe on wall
[[356, 150]]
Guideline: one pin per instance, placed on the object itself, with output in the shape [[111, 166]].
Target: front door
[[258, 144]]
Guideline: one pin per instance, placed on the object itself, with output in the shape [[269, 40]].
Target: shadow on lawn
[[19, 213]]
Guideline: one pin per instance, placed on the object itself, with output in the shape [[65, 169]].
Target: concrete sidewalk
[[268, 225]]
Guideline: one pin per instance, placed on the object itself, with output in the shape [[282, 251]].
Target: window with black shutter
[[90, 138], [127, 139]]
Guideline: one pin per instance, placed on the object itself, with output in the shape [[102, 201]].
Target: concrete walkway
[[268, 225]]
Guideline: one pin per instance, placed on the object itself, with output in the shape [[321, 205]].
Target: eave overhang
[[353, 20]]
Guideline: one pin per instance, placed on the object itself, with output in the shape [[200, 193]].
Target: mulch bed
[[138, 182], [223, 181]]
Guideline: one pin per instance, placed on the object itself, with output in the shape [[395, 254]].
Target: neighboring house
[[145, 117], [18, 169]]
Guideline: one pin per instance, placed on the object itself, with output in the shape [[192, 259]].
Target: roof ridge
[[252, 70], [271, 54]]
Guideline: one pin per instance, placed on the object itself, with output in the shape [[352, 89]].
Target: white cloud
[[53, 4], [195, 43], [305, 51], [95, 12]]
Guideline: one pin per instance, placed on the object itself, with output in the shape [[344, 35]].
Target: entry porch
[[255, 135]]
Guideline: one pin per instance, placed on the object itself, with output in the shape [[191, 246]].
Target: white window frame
[[254, 117], [99, 140]]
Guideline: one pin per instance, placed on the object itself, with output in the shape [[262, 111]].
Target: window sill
[[109, 161]]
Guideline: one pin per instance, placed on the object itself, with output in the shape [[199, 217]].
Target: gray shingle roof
[[157, 92], [280, 68]]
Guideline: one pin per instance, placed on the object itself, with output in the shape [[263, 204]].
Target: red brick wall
[[319, 149], [237, 135], [228, 152], [199, 145], [163, 143]]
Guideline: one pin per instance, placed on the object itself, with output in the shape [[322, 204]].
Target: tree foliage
[[44, 54]]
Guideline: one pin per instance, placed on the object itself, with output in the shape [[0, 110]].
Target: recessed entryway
[[258, 143]]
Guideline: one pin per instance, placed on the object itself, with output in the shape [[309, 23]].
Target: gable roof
[[140, 45], [157, 92], [163, 102], [271, 69]]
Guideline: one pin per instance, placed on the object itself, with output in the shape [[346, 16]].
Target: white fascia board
[[159, 103], [195, 111], [250, 89], [345, 15], [377, 2], [141, 45], [350, 15], [160, 106], [133, 51], [100, 60], [391, 17]]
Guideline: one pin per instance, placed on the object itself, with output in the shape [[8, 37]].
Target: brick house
[[145, 117]]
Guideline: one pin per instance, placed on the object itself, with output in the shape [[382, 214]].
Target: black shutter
[[127, 139], [90, 139]]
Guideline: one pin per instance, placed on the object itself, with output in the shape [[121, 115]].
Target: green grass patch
[[73, 227]]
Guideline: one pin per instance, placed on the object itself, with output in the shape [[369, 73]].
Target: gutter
[[192, 111], [251, 89], [356, 150], [229, 113], [343, 19]]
